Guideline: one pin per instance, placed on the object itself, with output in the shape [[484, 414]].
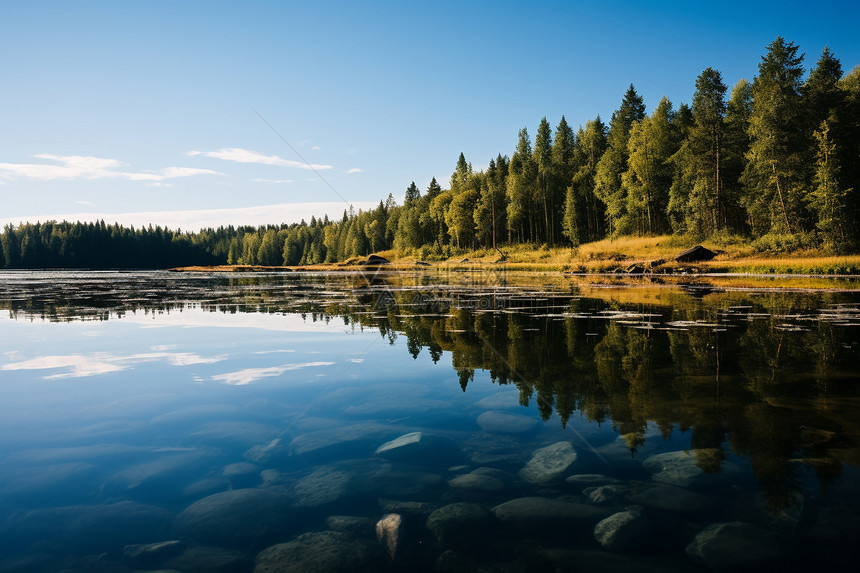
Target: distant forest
[[775, 162]]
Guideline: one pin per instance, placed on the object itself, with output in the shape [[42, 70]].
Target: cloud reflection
[[82, 365], [248, 375]]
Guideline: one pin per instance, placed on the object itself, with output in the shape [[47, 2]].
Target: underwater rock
[[388, 532], [683, 468], [206, 486], [435, 450], [363, 526], [478, 481], [549, 463], [542, 513], [357, 478], [591, 480], [669, 498], [417, 508], [325, 485], [459, 524], [321, 552], [351, 437], [237, 518], [152, 553], [405, 445], [624, 531], [86, 529], [505, 423], [612, 494], [242, 474], [266, 453], [209, 560], [734, 545]]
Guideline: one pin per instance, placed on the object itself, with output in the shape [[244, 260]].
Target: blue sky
[[161, 111]]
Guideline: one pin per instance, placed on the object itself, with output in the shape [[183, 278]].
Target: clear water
[[158, 421]]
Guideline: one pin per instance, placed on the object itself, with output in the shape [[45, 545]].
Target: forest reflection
[[765, 375]]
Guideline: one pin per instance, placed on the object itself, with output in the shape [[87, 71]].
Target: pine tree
[[706, 139], [590, 147], [434, 189], [412, 193], [774, 175], [737, 138], [543, 161]]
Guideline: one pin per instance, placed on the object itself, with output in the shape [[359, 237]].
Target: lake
[[436, 421]]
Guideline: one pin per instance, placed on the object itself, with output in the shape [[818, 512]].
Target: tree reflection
[[770, 376]]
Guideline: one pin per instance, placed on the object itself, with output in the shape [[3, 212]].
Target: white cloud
[[271, 180], [248, 375], [85, 167], [353, 170], [316, 148], [240, 155], [190, 220]]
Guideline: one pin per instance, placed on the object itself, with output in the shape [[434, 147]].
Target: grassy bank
[[629, 254]]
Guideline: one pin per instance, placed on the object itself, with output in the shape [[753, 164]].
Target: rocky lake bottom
[[207, 424]]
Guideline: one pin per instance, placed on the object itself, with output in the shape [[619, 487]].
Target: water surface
[[162, 421]]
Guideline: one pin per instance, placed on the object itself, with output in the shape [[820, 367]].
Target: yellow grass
[[655, 254]]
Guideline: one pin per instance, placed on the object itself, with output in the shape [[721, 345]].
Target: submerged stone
[[237, 518], [266, 453], [388, 532], [624, 531], [325, 485], [350, 524], [330, 439], [534, 513], [417, 508], [321, 552], [89, 528], [612, 494], [669, 498], [549, 463], [459, 523], [505, 423], [591, 480], [684, 469], [477, 481], [404, 445], [437, 450], [205, 559], [735, 545], [242, 474], [153, 552]]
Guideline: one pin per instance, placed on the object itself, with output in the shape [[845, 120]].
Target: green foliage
[[774, 175]]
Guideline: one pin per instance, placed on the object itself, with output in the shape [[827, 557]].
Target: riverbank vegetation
[[769, 167]]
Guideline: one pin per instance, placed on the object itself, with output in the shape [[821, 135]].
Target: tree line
[[775, 161]]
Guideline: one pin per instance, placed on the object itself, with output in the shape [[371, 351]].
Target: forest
[[774, 162]]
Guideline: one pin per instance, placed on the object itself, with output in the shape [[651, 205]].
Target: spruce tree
[[412, 193], [774, 177], [708, 149]]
